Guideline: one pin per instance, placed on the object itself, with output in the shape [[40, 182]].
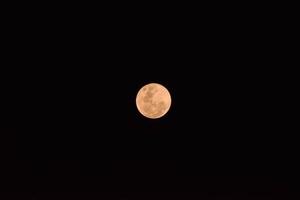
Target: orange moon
[[153, 100]]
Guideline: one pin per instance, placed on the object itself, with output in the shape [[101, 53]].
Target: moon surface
[[153, 100]]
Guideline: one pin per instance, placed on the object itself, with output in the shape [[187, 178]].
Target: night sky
[[78, 132]]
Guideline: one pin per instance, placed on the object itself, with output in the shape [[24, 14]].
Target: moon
[[153, 100]]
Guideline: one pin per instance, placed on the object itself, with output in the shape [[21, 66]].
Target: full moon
[[153, 100]]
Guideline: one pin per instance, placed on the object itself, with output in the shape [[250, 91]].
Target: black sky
[[79, 131]]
